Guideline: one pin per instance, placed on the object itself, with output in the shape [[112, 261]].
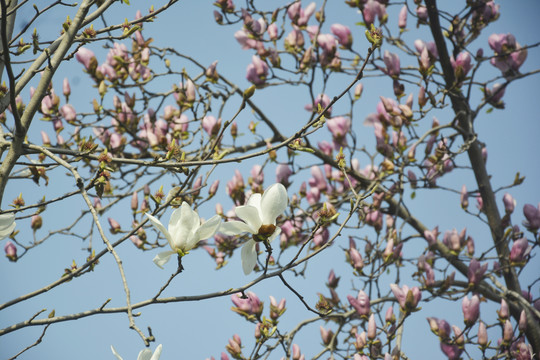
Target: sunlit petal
[[273, 203], [159, 226], [163, 257], [7, 225], [115, 353], [157, 353], [250, 215], [249, 257], [145, 354], [235, 228], [205, 231]]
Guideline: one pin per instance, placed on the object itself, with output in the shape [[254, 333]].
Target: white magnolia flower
[[185, 231], [258, 218], [145, 354], [7, 225]]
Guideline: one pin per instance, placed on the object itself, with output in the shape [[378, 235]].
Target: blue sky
[[196, 330]]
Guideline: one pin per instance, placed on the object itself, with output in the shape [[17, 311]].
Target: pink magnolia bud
[[326, 335], [431, 235], [36, 222], [45, 138], [323, 100], [392, 63], [389, 317], [452, 352], [234, 347], [422, 13], [343, 33], [333, 280], [283, 172], [443, 329], [213, 188], [522, 325], [66, 88], [87, 58], [433, 324], [504, 311], [464, 197], [11, 251], [272, 31], [361, 304], [532, 215], [358, 89], [462, 64], [482, 334], [520, 252], [509, 203], [372, 328], [136, 241], [430, 275], [422, 99], [471, 309], [296, 353], [402, 19], [211, 72], [68, 112], [134, 201], [276, 310], [211, 125], [114, 226], [508, 331]]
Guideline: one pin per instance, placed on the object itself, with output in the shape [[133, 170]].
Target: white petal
[[145, 354], [157, 353], [250, 215], [185, 224], [273, 203], [7, 225], [115, 353], [163, 257], [209, 228], [235, 228], [249, 257], [274, 235], [255, 200], [158, 225]]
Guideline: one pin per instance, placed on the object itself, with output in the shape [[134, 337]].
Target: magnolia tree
[[162, 157]]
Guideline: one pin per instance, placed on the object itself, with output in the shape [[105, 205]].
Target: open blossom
[[145, 354], [476, 272], [258, 218], [257, 71], [509, 55], [339, 126], [7, 225], [520, 251], [184, 232], [247, 305], [300, 16], [462, 64]]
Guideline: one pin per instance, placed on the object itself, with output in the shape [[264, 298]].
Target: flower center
[[265, 231]]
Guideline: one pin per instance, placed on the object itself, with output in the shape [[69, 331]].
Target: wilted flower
[[184, 232]]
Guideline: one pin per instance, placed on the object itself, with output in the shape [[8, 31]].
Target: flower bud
[[482, 335], [134, 201], [114, 226], [471, 309], [372, 328], [36, 222], [326, 335], [11, 251], [509, 203]]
